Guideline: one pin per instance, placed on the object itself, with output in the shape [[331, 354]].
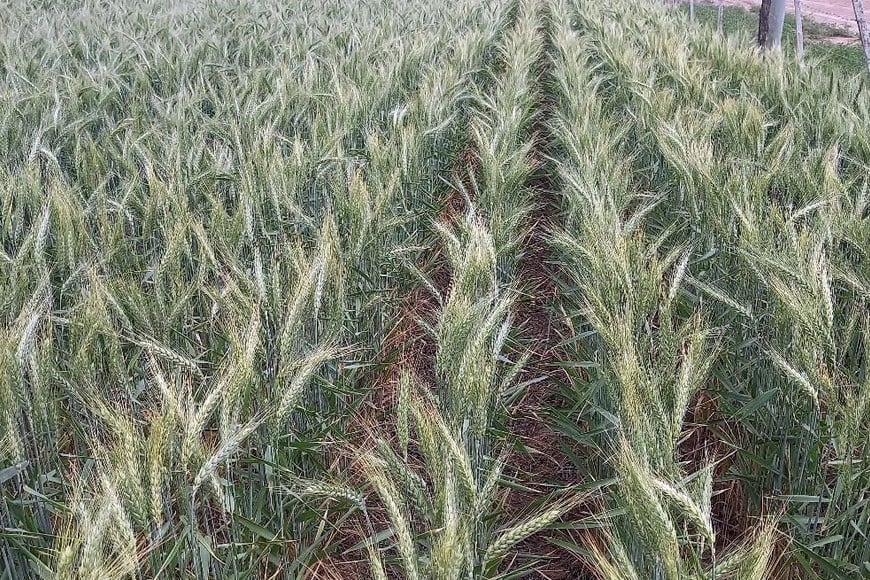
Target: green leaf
[[256, 528], [756, 403], [832, 570], [8, 473], [825, 541]]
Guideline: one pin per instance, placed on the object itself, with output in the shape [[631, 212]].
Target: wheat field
[[428, 290]]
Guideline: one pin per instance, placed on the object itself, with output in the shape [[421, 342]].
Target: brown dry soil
[[540, 463], [410, 348]]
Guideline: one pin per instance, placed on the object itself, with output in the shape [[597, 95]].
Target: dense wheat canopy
[[428, 290]]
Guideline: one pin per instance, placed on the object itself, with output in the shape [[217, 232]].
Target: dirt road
[[836, 12]]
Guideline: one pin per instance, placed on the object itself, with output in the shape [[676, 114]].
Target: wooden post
[[799, 31], [863, 30], [777, 21], [720, 17], [771, 19], [764, 22]]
